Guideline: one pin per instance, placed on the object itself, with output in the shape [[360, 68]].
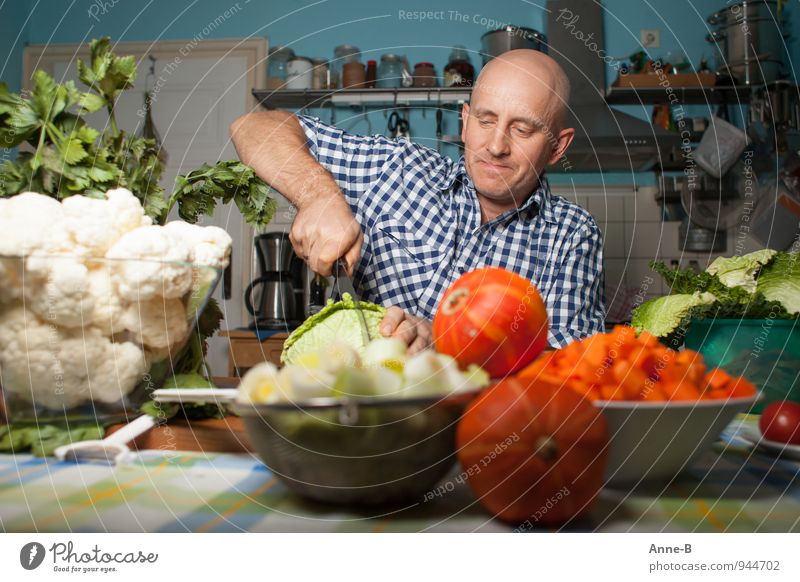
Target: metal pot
[[746, 10], [696, 239], [752, 49], [508, 38]]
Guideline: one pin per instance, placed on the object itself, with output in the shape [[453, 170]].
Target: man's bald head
[[514, 127], [531, 77]]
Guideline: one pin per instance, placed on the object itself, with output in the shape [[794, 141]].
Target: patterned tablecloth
[[729, 489]]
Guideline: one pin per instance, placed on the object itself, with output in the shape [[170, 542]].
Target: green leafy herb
[[198, 192], [43, 439], [69, 157]]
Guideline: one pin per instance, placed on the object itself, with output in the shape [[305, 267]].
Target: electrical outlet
[[649, 37]]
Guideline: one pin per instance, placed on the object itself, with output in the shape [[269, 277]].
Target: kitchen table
[[729, 489]]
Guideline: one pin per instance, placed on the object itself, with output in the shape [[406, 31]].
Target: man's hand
[[275, 145], [324, 230], [416, 332]]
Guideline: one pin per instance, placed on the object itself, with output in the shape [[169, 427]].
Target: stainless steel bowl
[[363, 452]]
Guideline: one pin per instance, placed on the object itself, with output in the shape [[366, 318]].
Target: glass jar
[[372, 74], [319, 74], [390, 72], [277, 60], [344, 53], [353, 75], [459, 72], [298, 73], [424, 75]]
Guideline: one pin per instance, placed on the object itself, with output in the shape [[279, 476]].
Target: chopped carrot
[[682, 391], [718, 378], [621, 366]]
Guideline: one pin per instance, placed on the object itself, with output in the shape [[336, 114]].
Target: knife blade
[[342, 283]]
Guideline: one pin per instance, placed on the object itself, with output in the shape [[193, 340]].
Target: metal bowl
[[365, 452]]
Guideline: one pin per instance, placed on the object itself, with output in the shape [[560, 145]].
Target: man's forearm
[[274, 145]]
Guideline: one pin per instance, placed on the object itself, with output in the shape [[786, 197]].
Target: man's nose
[[498, 144]]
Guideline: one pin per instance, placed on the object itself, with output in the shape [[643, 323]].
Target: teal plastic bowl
[[765, 351]]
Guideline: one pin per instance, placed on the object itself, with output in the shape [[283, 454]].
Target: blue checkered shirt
[[422, 229]]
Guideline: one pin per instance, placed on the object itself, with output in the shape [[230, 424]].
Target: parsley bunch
[[61, 155]]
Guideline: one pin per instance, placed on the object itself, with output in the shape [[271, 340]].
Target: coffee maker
[[280, 302]]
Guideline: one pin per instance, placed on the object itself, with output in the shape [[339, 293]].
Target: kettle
[[276, 305]]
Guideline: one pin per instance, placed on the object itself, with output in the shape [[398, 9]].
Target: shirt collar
[[538, 203]]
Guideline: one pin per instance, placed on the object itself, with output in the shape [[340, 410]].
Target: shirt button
[[500, 228]]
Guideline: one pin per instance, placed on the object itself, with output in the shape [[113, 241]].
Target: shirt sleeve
[[577, 309], [355, 162]]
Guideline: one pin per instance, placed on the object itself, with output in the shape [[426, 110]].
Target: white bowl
[[658, 440]]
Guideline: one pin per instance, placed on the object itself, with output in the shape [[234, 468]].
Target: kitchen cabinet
[[247, 350]]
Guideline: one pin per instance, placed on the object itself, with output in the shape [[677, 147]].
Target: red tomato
[[780, 422], [534, 453], [493, 318]]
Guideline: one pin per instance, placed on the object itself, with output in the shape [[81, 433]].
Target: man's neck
[[491, 209]]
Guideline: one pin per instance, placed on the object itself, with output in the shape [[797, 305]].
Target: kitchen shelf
[[685, 95], [452, 96], [403, 97]]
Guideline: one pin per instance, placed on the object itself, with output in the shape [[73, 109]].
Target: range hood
[[606, 140]]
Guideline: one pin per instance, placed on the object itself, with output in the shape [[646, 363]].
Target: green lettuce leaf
[[741, 271], [338, 321], [663, 315], [780, 281]]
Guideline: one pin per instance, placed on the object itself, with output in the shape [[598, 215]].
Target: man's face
[[508, 138]]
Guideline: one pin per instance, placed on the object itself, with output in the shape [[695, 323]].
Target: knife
[[342, 283]]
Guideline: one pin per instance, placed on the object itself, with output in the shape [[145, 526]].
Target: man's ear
[[464, 119], [565, 137]]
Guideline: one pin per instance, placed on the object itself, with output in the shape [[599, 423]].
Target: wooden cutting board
[[226, 435]]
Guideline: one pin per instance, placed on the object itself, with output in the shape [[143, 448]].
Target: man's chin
[[492, 189]]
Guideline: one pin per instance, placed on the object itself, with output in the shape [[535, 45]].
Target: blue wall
[[14, 29], [376, 26]]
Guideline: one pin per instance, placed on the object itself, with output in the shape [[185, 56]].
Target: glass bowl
[[87, 339]]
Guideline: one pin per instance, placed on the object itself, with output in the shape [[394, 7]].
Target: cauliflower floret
[[56, 368], [141, 280], [10, 279], [63, 296], [157, 322], [118, 374], [12, 321], [109, 308], [209, 245], [95, 224], [28, 223]]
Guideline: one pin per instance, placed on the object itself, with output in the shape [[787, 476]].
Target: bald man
[[409, 221]]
